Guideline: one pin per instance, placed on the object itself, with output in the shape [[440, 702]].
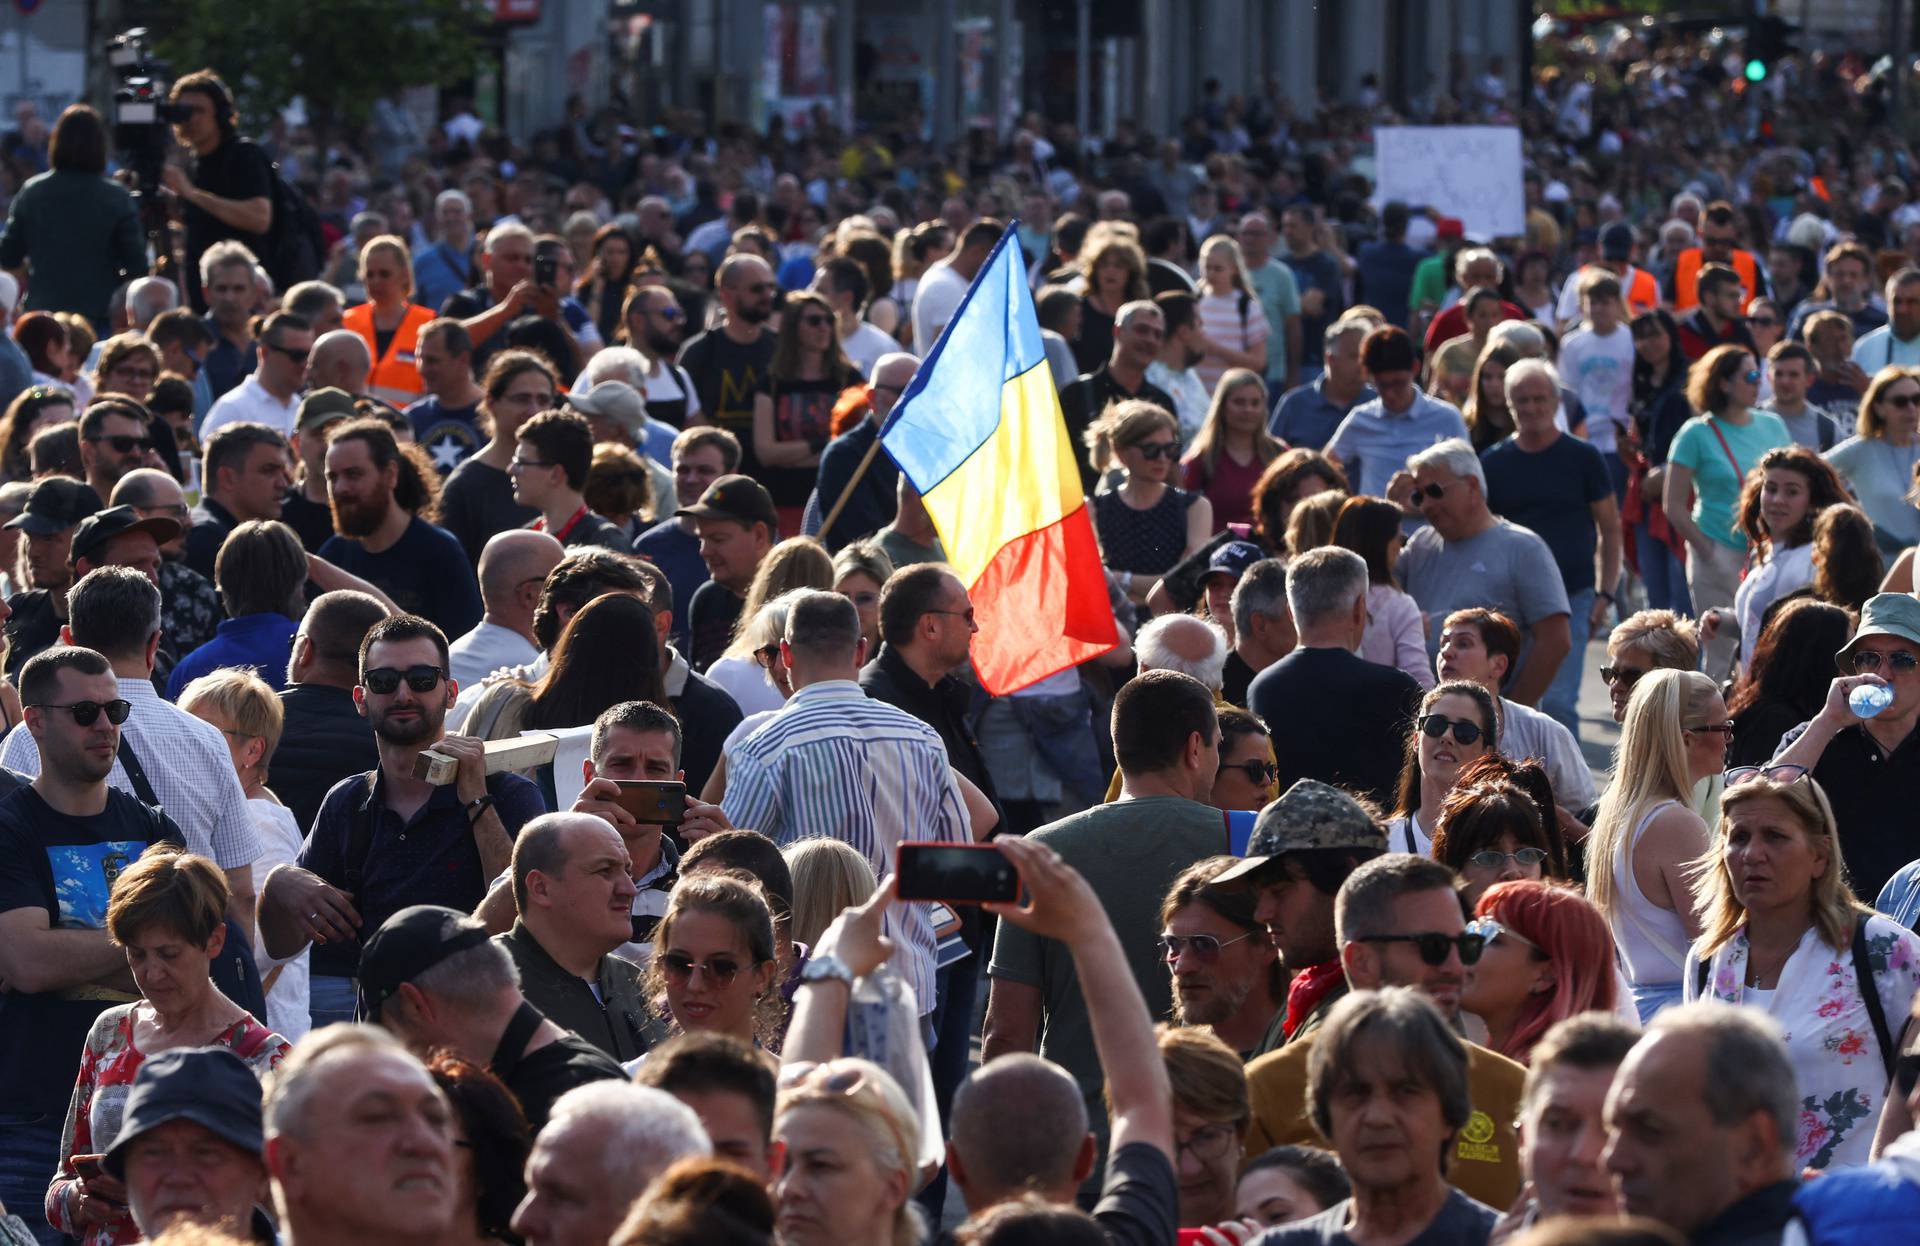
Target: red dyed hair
[[1570, 931]]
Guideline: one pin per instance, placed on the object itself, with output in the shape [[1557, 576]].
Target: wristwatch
[[825, 968]]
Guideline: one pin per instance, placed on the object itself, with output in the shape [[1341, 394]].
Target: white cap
[[9, 293]]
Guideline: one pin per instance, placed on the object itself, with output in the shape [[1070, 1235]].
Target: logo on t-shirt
[[83, 877], [1476, 1139], [449, 442]]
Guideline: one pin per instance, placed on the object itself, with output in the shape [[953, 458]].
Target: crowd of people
[[1327, 931]]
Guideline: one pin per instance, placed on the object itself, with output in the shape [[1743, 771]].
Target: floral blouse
[[1837, 1062], [107, 1067]]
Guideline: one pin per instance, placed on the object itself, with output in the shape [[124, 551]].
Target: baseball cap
[[1309, 815], [616, 401], [1233, 558], [209, 1086], [56, 504], [102, 526], [1616, 241], [408, 944], [323, 406], [1885, 614], [739, 498], [1449, 227]]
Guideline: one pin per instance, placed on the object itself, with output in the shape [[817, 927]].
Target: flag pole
[[859, 472]]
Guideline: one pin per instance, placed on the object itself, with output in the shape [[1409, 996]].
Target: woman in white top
[[1396, 632], [761, 632], [247, 712], [1233, 326], [797, 562], [1646, 836], [1457, 725], [1789, 487]]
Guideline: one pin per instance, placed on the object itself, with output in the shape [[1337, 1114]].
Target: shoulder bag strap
[[1870, 994], [1700, 979], [136, 775], [1739, 477]]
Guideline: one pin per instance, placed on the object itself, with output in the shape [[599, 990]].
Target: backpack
[[296, 247]]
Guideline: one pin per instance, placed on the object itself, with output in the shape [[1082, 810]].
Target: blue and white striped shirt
[[834, 763]]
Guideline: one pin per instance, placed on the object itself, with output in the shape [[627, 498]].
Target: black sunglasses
[[1903, 401], [1611, 675], [1783, 773], [1433, 946], [1151, 450], [382, 680], [85, 712], [1260, 772], [123, 443], [298, 356], [720, 970], [1433, 492], [1465, 730]]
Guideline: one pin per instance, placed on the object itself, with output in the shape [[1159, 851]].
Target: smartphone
[[956, 873], [87, 1167], [546, 270], [653, 802]]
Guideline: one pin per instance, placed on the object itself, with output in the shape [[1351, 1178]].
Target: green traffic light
[[1756, 71]]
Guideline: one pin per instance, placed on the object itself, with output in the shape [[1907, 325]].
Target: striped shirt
[[835, 764], [187, 761]]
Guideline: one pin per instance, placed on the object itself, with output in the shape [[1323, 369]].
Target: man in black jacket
[[325, 738], [870, 499]]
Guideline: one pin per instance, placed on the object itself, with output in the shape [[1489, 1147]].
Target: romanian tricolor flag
[[979, 433]]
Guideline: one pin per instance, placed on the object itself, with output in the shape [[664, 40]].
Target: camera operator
[[230, 192]]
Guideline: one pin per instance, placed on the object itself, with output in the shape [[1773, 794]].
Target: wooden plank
[[522, 752]]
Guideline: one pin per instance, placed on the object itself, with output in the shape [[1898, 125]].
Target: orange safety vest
[[396, 371], [1686, 279], [1641, 294]]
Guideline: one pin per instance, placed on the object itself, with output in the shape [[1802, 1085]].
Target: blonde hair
[[829, 875], [1869, 423], [885, 1117], [1220, 242], [401, 254], [1208, 1077], [1122, 424], [1212, 437], [246, 701], [169, 888], [1834, 906], [797, 562], [1651, 768]]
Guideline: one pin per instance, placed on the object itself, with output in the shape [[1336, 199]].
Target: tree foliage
[[337, 55]]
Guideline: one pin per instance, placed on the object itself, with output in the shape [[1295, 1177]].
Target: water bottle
[[1866, 700]]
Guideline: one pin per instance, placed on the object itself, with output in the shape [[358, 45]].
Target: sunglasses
[[720, 970], [1433, 492], [1721, 729], [1489, 930], [671, 313], [1204, 947], [85, 712], [1763, 322], [1611, 675], [1152, 450], [1870, 660], [1751, 376], [1257, 772], [1905, 402], [382, 680], [1773, 774], [1465, 731], [1434, 946], [298, 356], [766, 657], [814, 322], [1494, 859], [122, 443]]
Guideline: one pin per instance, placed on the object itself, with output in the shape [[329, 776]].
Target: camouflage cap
[[1308, 815]]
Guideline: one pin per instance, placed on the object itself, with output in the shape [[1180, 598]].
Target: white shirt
[[480, 653], [249, 402], [1600, 370], [1191, 398], [934, 303], [289, 1007], [1527, 734], [1787, 570], [746, 682], [866, 344]]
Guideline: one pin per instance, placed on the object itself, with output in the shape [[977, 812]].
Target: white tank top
[[1652, 941]]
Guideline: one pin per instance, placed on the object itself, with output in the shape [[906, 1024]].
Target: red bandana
[[1308, 988]]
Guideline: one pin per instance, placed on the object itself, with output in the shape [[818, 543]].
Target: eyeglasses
[[1905, 402], [1870, 660], [1489, 930], [815, 322], [122, 443], [1206, 948], [298, 356], [516, 463], [85, 712], [1258, 772], [966, 614], [1721, 729], [720, 970], [1493, 858], [1433, 492], [1153, 450], [1611, 675], [382, 680], [1465, 730], [1763, 322], [1208, 1143], [1434, 946], [1773, 774]]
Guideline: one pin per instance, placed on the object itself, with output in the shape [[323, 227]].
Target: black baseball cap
[[99, 528], [408, 944], [739, 498], [209, 1086], [56, 504]]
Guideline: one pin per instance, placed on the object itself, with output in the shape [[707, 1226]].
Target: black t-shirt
[[539, 1078], [711, 617], [802, 411], [592, 529], [65, 865], [1235, 678], [1461, 1222], [311, 521], [478, 502], [423, 572], [33, 626], [1139, 1199], [1337, 718], [449, 434], [728, 377], [708, 716], [234, 170]]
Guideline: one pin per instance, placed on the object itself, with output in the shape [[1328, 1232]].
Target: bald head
[[891, 372], [340, 359], [1018, 1123], [514, 559], [1180, 642], [147, 488]]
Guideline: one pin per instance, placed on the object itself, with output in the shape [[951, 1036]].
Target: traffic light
[[1767, 42]]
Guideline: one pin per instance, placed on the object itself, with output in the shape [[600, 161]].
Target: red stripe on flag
[[1042, 605]]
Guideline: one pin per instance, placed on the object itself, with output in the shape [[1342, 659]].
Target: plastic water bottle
[[1866, 700]]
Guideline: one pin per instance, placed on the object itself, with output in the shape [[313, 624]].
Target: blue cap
[[1233, 559], [209, 1086]]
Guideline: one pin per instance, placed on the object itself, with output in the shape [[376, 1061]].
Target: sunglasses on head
[[122, 443], [1205, 947], [720, 970], [1465, 731], [1151, 450], [1494, 859], [1870, 660], [382, 680], [85, 712], [1434, 946], [1773, 774]]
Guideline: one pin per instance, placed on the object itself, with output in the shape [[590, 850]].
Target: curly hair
[[1824, 489]]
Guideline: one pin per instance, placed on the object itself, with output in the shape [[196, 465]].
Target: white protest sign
[[568, 778], [1472, 172]]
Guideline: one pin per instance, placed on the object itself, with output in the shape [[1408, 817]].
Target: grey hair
[[769, 623], [1429, 1053], [113, 610], [1151, 646], [1364, 906], [822, 624], [1473, 255], [1747, 1056], [1124, 317], [1676, 233], [1520, 335], [1018, 1123], [147, 297], [309, 298], [647, 1131], [298, 1081], [1262, 590], [505, 230], [1323, 583], [1526, 370], [471, 978], [453, 195], [1340, 329], [616, 363], [1454, 454], [222, 254]]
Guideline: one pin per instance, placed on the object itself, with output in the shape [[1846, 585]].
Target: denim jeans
[[1662, 573], [1561, 700], [29, 1154], [331, 999]]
